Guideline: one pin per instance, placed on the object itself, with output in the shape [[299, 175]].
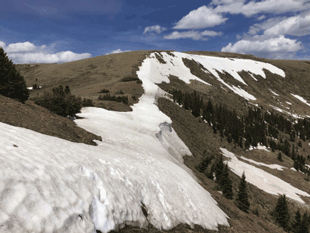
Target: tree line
[[249, 130]]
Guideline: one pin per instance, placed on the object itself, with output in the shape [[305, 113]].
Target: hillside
[[143, 172]]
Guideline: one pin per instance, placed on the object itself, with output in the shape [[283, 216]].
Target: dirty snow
[[288, 103], [52, 185], [272, 166], [261, 179], [259, 147]]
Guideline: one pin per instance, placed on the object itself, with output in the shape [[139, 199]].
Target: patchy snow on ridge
[[52, 185], [261, 179], [272, 166], [301, 99], [216, 64], [288, 103]]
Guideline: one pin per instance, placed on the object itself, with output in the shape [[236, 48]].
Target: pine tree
[[12, 84], [218, 169], [242, 198], [226, 184], [280, 157], [297, 222], [281, 213], [304, 224], [67, 90]]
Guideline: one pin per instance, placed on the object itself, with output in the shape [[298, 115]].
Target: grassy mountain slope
[[88, 76]]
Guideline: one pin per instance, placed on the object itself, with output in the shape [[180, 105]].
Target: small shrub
[[139, 81], [123, 99], [120, 92], [35, 86], [59, 102], [129, 79], [87, 103], [204, 163], [104, 91]]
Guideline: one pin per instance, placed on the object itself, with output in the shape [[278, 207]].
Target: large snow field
[[52, 185], [261, 179]]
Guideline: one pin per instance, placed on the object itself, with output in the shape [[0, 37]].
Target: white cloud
[[211, 33], [184, 35], [195, 35], [254, 29], [297, 25], [201, 18], [279, 44], [117, 51], [261, 17], [252, 8], [156, 28], [26, 52]]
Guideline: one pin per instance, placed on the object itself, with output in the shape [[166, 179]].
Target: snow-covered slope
[[52, 185], [49, 184]]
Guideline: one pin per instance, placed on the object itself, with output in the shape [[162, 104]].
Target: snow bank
[[53, 185], [261, 179]]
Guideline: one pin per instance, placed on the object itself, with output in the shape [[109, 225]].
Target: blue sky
[[61, 31]]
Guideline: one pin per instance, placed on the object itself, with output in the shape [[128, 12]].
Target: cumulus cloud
[[279, 44], [297, 26], [26, 52], [200, 18], [252, 7], [195, 35], [256, 28], [156, 28], [117, 51]]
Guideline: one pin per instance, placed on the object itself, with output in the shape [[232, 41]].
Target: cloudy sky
[[41, 31]]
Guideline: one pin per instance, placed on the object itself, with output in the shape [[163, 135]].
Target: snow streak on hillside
[[53, 185], [261, 179], [175, 66]]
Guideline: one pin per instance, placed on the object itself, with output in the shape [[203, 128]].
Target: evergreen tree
[[297, 222], [281, 213], [219, 167], [242, 198], [226, 184], [67, 90], [304, 225], [299, 144], [12, 84], [280, 157]]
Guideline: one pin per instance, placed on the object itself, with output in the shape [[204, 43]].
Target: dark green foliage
[[123, 99], [12, 84], [242, 198], [299, 144], [226, 184], [120, 92], [297, 222], [60, 103], [67, 90], [35, 86], [280, 213], [87, 103], [104, 91], [280, 157], [204, 163], [300, 225], [218, 169], [129, 79]]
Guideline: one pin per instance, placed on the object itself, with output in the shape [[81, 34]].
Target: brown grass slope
[[88, 76]]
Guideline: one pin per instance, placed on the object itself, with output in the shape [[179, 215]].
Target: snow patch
[[261, 179]]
